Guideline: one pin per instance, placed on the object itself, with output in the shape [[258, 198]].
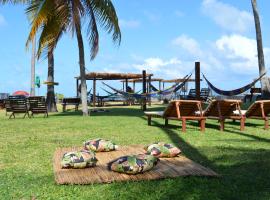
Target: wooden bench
[[18, 104], [2, 103], [71, 101], [37, 105]]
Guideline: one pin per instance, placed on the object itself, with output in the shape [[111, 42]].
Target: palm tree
[[36, 11], [265, 85], [67, 15]]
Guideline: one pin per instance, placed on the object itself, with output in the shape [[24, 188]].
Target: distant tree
[[265, 85]]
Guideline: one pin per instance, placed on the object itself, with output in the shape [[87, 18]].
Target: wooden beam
[[149, 90], [134, 83], [77, 87], [94, 93], [197, 80], [144, 90], [126, 85]]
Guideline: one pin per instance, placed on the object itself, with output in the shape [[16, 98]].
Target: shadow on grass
[[126, 112], [245, 172]]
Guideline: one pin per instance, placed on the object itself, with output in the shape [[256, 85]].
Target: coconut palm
[[62, 16], [265, 85], [66, 16], [36, 10]]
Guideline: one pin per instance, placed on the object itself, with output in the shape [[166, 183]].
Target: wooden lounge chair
[[224, 109], [18, 104], [182, 110], [257, 110], [71, 101], [37, 105]]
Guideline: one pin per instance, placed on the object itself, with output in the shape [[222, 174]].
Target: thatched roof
[[112, 76], [179, 80], [140, 80]]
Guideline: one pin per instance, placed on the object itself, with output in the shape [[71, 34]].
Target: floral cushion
[[133, 164], [161, 149], [79, 159], [99, 145]]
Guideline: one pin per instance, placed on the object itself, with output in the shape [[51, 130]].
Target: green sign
[[37, 81]]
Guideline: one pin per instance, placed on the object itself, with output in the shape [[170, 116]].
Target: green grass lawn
[[27, 147]]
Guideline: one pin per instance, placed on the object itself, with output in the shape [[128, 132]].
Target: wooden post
[[134, 86], [77, 87], [123, 85], [94, 92], [197, 80], [149, 90], [144, 89], [163, 85], [159, 86], [126, 85]]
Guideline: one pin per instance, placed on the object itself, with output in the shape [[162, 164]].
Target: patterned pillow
[[99, 145], [133, 164], [161, 149], [79, 159]]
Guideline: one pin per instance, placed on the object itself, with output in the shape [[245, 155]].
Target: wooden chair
[[258, 110], [37, 105], [182, 110], [192, 94], [18, 104], [71, 101], [7, 106], [204, 94], [224, 109]]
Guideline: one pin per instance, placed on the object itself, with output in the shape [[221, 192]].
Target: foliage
[[27, 147]]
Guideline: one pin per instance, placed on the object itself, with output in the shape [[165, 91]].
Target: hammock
[[232, 92], [167, 91], [153, 88]]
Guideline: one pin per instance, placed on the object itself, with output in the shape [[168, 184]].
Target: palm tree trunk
[[265, 85], [33, 62], [82, 70], [50, 100]]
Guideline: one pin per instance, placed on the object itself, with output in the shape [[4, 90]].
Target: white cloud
[[227, 17], [2, 20], [189, 44], [240, 51], [129, 23], [162, 68]]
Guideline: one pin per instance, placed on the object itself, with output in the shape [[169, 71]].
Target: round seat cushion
[[79, 159], [162, 150], [99, 145], [133, 164]]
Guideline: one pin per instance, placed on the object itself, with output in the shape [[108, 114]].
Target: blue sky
[[163, 38]]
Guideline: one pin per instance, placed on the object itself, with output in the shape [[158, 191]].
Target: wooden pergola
[[103, 76], [139, 80]]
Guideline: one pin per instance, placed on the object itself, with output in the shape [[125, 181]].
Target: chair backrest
[[18, 104], [258, 109], [222, 108], [205, 92], [192, 93], [2, 103], [37, 103], [71, 100], [7, 105], [183, 108]]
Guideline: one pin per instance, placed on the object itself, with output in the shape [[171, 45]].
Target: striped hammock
[[232, 92], [167, 91]]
